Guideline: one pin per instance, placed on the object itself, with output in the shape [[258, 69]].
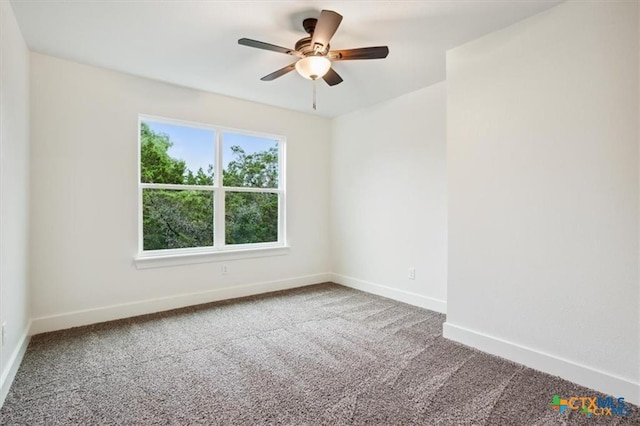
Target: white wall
[[14, 193], [388, 198], [543, 194], [84, 196]]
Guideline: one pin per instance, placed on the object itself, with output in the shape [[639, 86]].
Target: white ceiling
[[194, 43]]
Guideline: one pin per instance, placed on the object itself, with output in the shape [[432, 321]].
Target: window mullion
[[178, 187], [252, 189], [218, 211]]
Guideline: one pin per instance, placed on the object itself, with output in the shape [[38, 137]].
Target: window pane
[[176, 219], [251, 217], [249, 161], [176, 154]]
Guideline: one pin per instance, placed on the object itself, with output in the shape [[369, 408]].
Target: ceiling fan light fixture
[[313, 67]]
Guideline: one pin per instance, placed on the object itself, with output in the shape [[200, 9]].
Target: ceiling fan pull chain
[[314, 94]]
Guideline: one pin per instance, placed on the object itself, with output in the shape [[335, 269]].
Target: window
[[207, 189]]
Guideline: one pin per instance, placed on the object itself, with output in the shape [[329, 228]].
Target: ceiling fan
[[313, 52]]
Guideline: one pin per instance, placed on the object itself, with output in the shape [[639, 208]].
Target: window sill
[[164, 260]]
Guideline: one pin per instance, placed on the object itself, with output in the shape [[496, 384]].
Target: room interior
[[494, 152]]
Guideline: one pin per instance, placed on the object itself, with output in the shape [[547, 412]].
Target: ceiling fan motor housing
[[304, 44]]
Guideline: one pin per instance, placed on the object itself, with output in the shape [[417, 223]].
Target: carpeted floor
[[322, 354]]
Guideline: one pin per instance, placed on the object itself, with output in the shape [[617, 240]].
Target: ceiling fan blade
[[377, 52], [267, 46], [332, 78], [279, 73], [326, 27]]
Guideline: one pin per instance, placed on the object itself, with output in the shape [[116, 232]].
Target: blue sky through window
[[196, 145], [193, 145], [249, 144]]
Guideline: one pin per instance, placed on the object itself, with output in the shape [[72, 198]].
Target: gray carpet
[[322, 354]]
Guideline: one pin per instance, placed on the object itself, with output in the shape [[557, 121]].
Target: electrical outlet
[[225, 270], [4, 328], [412, 273]]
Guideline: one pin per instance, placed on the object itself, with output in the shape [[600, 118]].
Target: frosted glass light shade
[[313, 67]]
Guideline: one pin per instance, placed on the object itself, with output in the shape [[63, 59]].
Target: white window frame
[[219, 251]]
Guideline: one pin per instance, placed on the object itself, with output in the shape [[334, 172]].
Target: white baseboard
[[414, 299], [126, 310], [566, 369], [10, 370]]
